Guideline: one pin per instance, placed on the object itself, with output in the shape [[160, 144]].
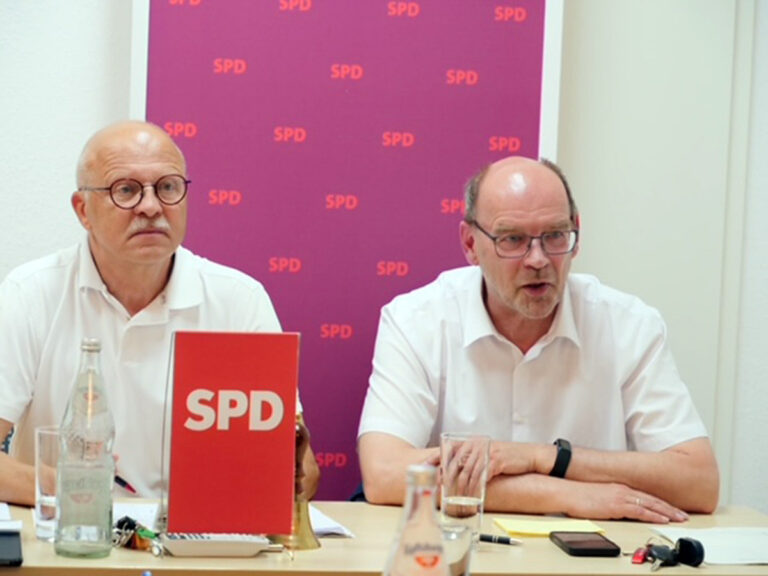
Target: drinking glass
[[46, 460], [464, 470]]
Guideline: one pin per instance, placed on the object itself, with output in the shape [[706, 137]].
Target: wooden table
[[374, 528]]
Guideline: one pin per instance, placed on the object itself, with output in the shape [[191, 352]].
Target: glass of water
[[46, 459], [464, 471]]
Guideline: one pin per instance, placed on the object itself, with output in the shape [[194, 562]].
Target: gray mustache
[[141, 224]]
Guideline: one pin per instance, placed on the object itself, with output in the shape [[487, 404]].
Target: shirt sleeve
[[658, 406], [258, 311], [261, 317], [401, 399], [18, 352]]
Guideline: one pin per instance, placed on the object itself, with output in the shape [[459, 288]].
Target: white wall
[[644, 105], [63, 74], [662, 106], [646, 136], [750, 464], [653, 129]]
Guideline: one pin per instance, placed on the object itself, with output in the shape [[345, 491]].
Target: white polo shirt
[[46, 308], [602, 377]]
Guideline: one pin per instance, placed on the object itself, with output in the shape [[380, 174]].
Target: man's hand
[[513, 458], [310, 474], [463, 465], [617, 501]]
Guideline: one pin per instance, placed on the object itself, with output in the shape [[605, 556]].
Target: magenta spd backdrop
[[328, 142]]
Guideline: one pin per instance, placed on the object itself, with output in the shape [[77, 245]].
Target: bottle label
[[420, 558]]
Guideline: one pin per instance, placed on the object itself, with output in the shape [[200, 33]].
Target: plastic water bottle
[[86, 467], [418, 547]]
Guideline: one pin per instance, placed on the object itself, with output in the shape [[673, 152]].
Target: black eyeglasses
[[516, 245], [128, 193]]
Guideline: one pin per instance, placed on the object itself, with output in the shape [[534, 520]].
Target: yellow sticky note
[[544, 526]]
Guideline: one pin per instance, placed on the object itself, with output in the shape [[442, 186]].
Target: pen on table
[[494, 539], [120, 481]]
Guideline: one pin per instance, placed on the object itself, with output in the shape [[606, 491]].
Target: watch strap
[[563, 458]]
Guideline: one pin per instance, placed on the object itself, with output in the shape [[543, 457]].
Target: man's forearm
[[383, 463], [539, 494], [603, 484], [384, 482], [685, 476], [525, 494], [17, 481]]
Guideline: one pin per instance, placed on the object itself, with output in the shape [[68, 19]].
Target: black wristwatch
[[563, 458]]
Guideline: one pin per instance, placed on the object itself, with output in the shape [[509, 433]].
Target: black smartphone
[[10, 548], [585, 543]]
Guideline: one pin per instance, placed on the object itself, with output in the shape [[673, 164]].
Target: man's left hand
[[612, 501]]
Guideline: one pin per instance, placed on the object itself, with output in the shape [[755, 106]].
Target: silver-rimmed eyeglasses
[[516, 245], [127, 193]]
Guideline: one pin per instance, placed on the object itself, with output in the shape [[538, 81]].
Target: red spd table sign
[[232, 456]]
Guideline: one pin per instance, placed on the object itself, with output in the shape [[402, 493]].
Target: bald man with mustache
[[130, 283]]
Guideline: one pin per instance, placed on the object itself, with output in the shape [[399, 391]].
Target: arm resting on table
[[17, 480], [652, 487], [383, 461], [685, 475]]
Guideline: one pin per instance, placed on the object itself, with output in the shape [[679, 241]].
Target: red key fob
[[640, 556]]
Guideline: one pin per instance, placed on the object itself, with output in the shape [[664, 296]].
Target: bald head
[[515, 174], [132, 137]]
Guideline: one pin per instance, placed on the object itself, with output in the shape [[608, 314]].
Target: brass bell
[[302, 536]]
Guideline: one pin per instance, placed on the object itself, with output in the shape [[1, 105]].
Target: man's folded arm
[[685, 475], [17, 480], [384, 459], [539, 494], [649, 486]]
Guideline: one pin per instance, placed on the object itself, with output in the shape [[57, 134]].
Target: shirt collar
[[564, 324], [479, 324], [89, 276], [477, 321], [184, 288]]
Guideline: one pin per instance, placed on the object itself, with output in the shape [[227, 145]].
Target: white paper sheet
[[11, 525], [726, 545], [325, 526], [6, 523]]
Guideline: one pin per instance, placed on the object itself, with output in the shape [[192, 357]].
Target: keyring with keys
[[128, 533]]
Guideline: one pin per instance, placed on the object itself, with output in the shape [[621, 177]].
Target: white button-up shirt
[[46, 308], [603, 377]]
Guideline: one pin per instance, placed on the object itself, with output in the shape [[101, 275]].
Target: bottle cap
[[90, 345], [421, 475]]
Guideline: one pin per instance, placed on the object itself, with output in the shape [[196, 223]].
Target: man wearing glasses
[[573, 381], [129, 283]]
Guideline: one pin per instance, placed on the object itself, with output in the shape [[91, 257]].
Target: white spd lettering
[[232, 404]]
